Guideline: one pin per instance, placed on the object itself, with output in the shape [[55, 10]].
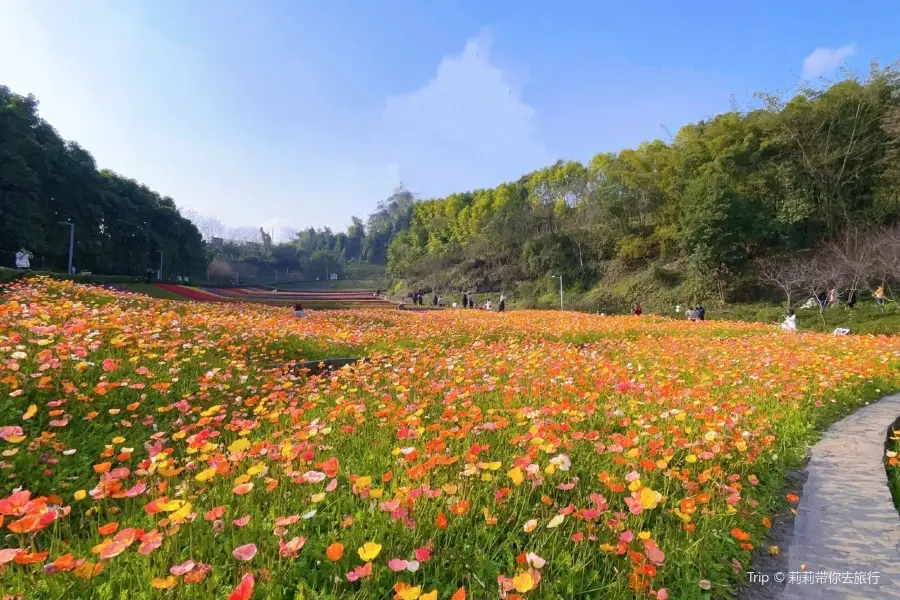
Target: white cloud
[[467, 128], [823, 61]]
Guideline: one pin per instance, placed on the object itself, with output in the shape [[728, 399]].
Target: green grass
[[148, 289], [865, 318]]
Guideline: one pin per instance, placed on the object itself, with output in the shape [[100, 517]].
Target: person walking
[[502, 306], [879, 296]]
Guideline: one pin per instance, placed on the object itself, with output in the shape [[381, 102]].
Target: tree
[[120, 224], [785, 273]]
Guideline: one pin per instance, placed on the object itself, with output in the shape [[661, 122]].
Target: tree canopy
[[784, 177], [120, 225]]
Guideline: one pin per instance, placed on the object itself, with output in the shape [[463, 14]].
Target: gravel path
[[845, 542]]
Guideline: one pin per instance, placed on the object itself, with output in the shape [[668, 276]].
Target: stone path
[[846, 522]]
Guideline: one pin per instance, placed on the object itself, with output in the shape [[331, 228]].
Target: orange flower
[[335, 551], [108, 528], [460, 508]]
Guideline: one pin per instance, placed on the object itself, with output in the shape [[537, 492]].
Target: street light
[[159, 275], [560, 290], [71, 241]]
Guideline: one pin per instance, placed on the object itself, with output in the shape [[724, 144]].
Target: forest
[[700, 217], [725, 210], [46, 182]]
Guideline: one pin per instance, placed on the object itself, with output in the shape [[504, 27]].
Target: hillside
[[685, 220]]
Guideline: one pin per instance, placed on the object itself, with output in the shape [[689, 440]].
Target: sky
[[295, 113]]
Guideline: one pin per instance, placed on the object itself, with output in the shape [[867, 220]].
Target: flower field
[[315, 299], [161, 449]]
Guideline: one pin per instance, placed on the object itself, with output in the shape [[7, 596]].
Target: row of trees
[[784, 177], [120, 224], [245, 253], [853, 262]]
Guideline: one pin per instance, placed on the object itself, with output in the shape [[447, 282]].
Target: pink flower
[[291, 548], [655, 555], [185, 567], [397, 564], [245, 552], [360, 572], [242, 521], [423, 554]]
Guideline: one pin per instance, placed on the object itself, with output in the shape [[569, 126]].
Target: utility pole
[[560, 290], [71, 241], [159, 275]]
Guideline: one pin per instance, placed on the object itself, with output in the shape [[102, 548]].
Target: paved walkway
[[846, 522]]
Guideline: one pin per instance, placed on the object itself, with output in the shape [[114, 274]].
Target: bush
[[9, 275]]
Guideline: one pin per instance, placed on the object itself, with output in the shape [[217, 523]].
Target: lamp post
[[159, 275], [560, 290], [71, 241]]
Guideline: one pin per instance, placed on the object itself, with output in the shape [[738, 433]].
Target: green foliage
[[119, 224], [723, 193]]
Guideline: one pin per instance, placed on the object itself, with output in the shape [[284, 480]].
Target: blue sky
[[290, 113]]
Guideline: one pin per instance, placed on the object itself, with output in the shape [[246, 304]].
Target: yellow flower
[[363, 482], [206, 474], [555, 521], [369, 551], [432, 595], [649, 498], [80, 495], [171, 505], [163, 584], [523, 582], [516, 475], [239, 445], [181, 514], [410, 593]]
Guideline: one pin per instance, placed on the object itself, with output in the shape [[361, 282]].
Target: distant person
[[23, 260], [691, 314], [149, 275], [465, 301], [298, 310], [434, 300], [851, 299], [790, 321], [637, 310], [471, 301], [833, 299], [441, 301], [701, 313], [879, 296], [502, 306], [487, 305]]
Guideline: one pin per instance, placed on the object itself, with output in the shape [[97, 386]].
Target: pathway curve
[[846, 526]]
